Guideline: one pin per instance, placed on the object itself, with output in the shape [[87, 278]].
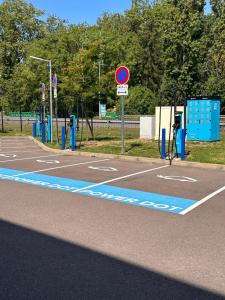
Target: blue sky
[[78, 11]]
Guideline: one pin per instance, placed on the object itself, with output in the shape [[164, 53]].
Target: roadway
[[76, 227]]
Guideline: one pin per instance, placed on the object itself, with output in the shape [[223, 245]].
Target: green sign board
[[23, 114], [111, 116]]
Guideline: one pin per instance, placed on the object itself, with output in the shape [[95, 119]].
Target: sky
[[78, 11]]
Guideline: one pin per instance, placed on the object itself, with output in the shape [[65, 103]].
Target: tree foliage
[[166, 44]]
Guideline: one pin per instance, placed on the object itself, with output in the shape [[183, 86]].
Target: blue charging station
[[38, 125], [178, 132], [179, 138], [73, 132], [203, 119]]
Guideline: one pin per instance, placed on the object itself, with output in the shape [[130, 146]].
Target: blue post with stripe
[[75, 132], [39, 125], [43, 133], [163, 148], [49, 128], [34, 130], [73, 129], [72, 138], [63, 138], [183, 135]]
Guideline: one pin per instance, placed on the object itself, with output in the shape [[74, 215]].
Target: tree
[[19, 25]]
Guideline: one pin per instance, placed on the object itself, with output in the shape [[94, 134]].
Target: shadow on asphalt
[[37, 266]]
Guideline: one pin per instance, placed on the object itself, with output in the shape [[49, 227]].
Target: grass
[[107, 140], [212, 152], [15, 130]]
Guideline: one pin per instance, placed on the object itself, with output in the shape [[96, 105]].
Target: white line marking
[[61, 167], [24, 151], [22, 147], [119, 178], [178, 178], [48, 161], [8, 155], [104, 169], [27, 158], [184, 212]]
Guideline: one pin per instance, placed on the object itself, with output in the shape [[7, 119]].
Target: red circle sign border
[[117, 72]]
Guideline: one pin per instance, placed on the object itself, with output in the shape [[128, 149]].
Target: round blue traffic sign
[[122, 75]]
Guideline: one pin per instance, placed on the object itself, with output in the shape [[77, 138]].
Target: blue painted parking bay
[[108, 192]]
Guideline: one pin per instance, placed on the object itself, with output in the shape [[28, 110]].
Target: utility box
[[203, 119], [147, 127]]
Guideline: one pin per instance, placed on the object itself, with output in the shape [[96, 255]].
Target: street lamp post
[[100, 63], [50, 81]]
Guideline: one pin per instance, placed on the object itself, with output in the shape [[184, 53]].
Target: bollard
[[49, 128], [39, 125], [34, 130], [183, 135], [75, 134], [63, 138], [163, 149], [72, 138], [43, 134]]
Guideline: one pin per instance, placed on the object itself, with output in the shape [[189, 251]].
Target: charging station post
[[73, 129]]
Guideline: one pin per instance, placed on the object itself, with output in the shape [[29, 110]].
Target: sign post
[[56, 106], [122, 76], [43, 102]]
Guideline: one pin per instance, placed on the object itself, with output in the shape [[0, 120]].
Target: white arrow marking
[[105, 169], [8, 155], [178, 178], [48, 161]]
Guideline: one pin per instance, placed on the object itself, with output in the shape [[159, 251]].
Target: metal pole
[[21, 124], [122, 127], [56, 115], [50, 78], [2, 121], [2, 118]]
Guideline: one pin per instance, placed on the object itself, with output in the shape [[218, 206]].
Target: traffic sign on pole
[[122, 90], [55, 86], [43, 91], [122, 75]]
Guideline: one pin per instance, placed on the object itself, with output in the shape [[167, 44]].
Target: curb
[[130, 158]]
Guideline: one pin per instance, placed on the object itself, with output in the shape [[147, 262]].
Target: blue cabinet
[[203, 119]]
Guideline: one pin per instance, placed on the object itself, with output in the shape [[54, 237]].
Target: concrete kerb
[[130, 158]]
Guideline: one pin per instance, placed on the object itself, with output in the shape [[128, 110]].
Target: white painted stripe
[[8, 152], [21, 147], [122, 177], [184, 212], [28, 158], [15, 144], [61, 167]]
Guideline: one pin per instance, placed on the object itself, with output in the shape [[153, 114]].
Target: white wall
[[147, 127]]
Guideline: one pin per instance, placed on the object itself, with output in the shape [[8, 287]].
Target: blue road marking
[[108, 192]]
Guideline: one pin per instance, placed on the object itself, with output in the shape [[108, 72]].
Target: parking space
[[156, 186], [169, 219]]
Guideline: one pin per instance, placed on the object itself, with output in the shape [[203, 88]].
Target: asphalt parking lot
[[74, 227]]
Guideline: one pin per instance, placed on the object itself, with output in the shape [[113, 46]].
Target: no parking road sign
[[122, 75]]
